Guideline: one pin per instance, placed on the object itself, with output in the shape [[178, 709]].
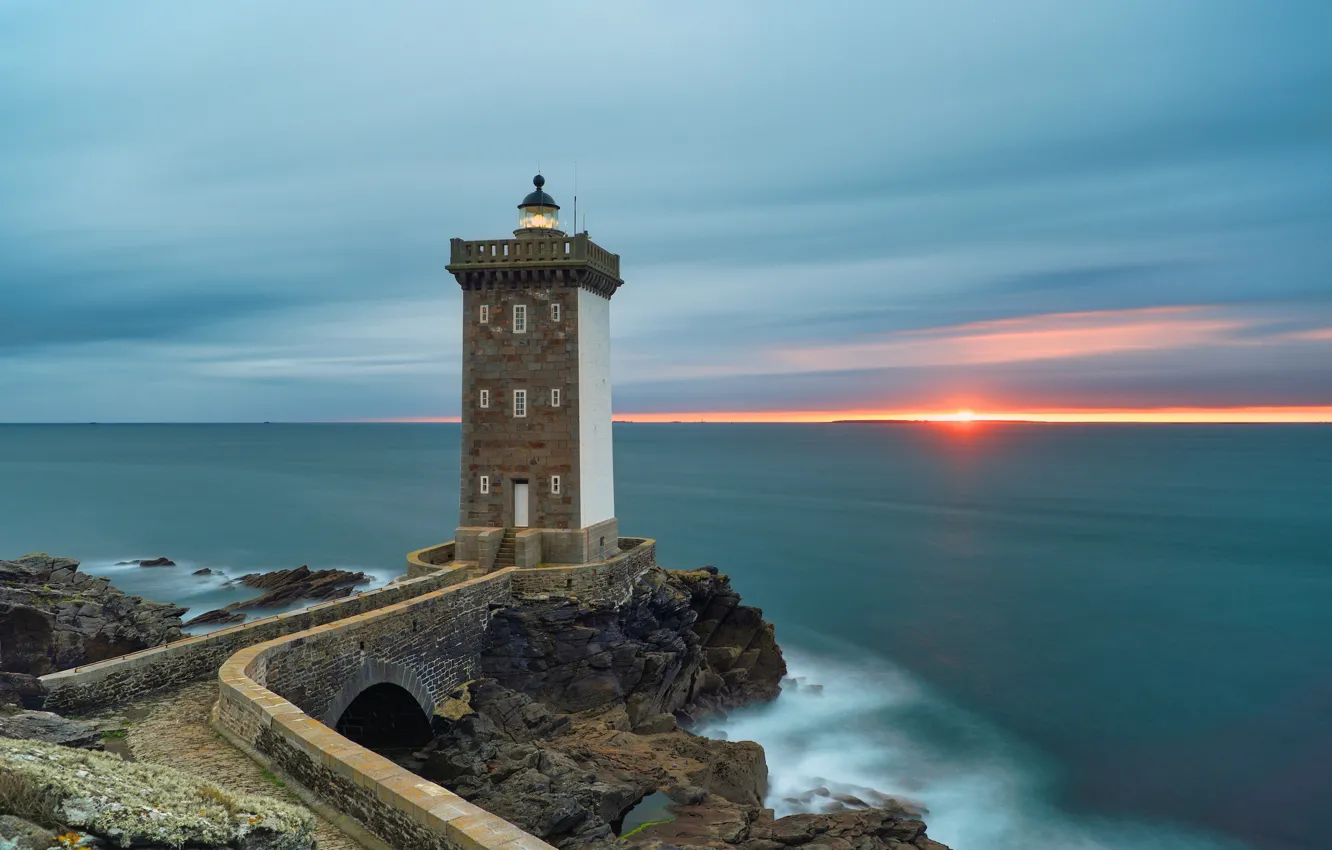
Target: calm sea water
[[1053, 636]]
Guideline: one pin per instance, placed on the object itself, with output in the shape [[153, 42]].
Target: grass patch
[[113, 734], [28, 798], [269, 776], [222, 798]]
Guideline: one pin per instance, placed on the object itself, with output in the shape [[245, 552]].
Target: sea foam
[[871, 728]]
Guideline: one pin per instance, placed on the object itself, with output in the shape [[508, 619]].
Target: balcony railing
[[546, 250]]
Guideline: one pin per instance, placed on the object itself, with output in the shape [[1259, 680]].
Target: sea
[[1077, 637]]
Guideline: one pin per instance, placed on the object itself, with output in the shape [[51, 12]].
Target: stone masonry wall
[[263, 686], [437, 635], [610, 581], [545, 441], [117, 680]]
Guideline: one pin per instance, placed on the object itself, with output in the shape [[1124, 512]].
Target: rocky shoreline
[[584, 712], [53, 617], [577, 727]]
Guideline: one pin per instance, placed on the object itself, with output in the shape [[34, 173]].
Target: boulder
[[156, 562], [48, 728], [19, 834]]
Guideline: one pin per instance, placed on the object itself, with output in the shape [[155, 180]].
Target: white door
[[520, 504]]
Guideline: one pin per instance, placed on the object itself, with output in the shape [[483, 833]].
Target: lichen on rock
[[128, 804]]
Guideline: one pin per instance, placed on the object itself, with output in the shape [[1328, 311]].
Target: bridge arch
[[386, 698]]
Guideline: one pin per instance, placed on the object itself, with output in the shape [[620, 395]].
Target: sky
[[240, 211]]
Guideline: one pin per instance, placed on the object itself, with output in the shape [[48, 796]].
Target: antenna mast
[[575, 197]]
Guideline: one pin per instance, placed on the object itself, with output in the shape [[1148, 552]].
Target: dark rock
[[21, 689], [851, 800], [19, 834], [156, 562], [545, 740], [649, 655], [53, 617], [204, 572], [657, 724], [49, 729], [215, 617], [287, 586]]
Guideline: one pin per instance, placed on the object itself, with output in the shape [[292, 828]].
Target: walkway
[[171, 729]]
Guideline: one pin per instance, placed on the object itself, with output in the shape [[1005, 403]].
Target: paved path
[[171, 728]]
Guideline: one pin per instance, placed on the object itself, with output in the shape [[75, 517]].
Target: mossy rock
[[130, 804]]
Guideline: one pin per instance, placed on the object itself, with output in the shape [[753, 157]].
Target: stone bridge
[[306, 694]]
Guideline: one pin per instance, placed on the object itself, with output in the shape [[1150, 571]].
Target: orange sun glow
[[1069, 415]]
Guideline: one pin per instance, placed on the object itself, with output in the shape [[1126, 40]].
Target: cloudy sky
[[241, 210]]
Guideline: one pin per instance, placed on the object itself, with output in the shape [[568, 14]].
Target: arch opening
[[386, 718]]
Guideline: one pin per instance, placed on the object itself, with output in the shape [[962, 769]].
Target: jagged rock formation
[[284, 587], [682, 647], [683, 644], [95, 799], [53, 617]]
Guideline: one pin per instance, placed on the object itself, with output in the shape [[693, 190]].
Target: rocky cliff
[[52, 617], [577, 723], [682, 645]]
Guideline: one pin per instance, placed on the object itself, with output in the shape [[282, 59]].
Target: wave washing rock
[[284, 587], [681, 648], [128, 804], [53, 617]]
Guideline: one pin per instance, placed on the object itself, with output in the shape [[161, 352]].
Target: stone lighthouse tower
[[537, 465]]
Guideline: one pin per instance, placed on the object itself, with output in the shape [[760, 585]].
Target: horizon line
[[1240, 415]]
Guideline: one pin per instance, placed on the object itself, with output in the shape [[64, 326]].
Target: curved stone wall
[[272, 691], [114, 681]]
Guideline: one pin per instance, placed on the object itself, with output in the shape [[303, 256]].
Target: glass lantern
[[539, 216]]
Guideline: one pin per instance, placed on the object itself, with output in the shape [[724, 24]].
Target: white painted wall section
[[596, 454]]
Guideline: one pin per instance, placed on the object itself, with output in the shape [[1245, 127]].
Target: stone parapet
[[272, 691], [610, 581], [520, 254], [93, 687]]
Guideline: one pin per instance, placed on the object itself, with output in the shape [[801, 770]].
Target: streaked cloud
[[242, 210]]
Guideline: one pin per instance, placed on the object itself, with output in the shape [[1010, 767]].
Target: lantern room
[[538, 211]]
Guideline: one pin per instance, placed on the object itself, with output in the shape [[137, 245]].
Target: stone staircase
[[505, 556]]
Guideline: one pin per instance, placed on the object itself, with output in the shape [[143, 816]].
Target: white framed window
[[520, 318], [555, 485], [485, 485], [555, 397], [485, 398], [520, 402], [555, 312], [485, 313]]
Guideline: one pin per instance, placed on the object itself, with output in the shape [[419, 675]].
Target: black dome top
[[538, 198]]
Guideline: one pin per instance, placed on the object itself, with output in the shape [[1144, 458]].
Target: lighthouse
[[537, 472]]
